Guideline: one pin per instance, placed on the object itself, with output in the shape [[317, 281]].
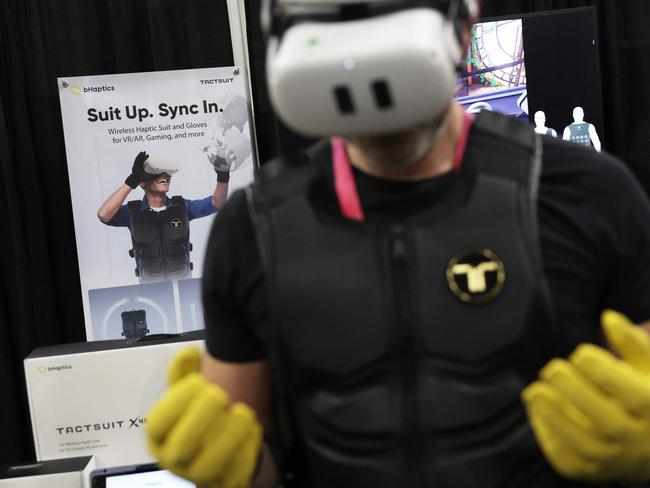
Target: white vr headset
[[343, 67], [156, 167]]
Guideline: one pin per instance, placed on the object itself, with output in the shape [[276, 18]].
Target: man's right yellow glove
[[196, 433], [591, 414]]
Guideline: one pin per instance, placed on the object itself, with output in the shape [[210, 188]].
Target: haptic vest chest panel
[[161, 245], [393, 379], [580, 133]]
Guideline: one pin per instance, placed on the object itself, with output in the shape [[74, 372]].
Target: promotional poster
[[151, 158]]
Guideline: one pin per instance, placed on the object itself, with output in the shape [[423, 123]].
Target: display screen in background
[[545, 62], [495, 77], [150, 479]]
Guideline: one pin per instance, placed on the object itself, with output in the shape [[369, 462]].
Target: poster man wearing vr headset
[[159, 225], [420, 299]]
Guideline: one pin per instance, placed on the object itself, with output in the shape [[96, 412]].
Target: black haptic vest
[[579, 133], [388, 378], [161, 241]]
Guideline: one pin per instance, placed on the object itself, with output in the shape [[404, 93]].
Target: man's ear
[[475, 12]]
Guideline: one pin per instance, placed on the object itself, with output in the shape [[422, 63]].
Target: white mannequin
[[540, 125], [582, 132]]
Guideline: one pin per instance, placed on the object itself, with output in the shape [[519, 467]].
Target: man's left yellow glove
[[197, 433], [591, 414]]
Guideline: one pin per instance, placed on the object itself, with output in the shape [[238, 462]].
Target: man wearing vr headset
[[398, 293], [159, 225]]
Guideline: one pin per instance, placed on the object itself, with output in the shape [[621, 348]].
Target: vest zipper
[[406, 355], [162, 245]]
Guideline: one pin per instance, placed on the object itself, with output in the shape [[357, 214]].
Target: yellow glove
[[186, 361], [591, 414], [196, 433]]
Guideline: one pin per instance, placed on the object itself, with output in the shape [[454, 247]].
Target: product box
[[92, 398], [59, 473]]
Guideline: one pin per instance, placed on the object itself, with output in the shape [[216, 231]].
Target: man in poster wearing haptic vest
[[159, 225], [421, 295]]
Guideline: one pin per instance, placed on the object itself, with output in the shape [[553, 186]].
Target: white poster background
[[100, 155]]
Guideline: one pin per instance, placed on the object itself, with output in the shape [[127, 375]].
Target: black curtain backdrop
[[40, 40]]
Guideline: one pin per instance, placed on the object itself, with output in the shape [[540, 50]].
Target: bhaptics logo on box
[[46, 369]]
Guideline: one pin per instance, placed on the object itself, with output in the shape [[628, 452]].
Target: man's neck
[[156, 199], [438, 160]]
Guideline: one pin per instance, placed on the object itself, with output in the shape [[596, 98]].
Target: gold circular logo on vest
[[175, 223], [475, 275]]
